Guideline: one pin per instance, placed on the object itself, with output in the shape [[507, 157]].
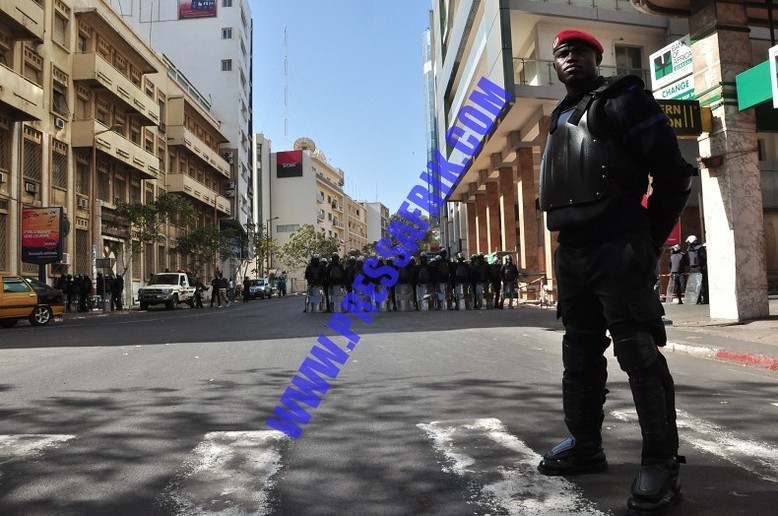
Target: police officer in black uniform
[[606, 137], [698, 264]]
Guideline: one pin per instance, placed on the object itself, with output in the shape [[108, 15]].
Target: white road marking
[[29, 446], [229, 474], [504, 482], [758, 458]]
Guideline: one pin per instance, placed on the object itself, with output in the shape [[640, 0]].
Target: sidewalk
[[752, 343]]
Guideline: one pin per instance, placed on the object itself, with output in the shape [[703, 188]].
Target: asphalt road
[[443, 413]]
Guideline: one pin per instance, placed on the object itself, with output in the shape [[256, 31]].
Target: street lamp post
[[269, 238]]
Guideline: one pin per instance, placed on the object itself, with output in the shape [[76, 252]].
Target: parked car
[[260, 288], [168, 288], [29, 299]]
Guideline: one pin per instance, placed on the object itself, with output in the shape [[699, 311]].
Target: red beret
[[566, 36]]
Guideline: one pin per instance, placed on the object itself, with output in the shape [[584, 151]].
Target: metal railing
[[540, 72], [613, 5]]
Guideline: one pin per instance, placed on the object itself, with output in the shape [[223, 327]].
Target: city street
[[447, 413]]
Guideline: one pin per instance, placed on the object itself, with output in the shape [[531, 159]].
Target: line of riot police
[[426, 283]]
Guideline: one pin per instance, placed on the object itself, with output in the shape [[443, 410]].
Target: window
[[59, 164], [59, 102], [82, 42], [287, 228], [82, 177], [629, 60], [60, 33], [227, 33], [226, 65], [226, 3]]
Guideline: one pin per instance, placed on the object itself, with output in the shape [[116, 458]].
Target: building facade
[[493, 205], [306, 189], [356, 222], [377, 219], [213, 47], [91, 116]]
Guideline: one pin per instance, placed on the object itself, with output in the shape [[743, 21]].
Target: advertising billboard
[[289, 164], [196, 9], [42, 235]]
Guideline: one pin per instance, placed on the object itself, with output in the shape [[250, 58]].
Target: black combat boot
[[656, 488], [583, 397], [571, 457], [657, 485]]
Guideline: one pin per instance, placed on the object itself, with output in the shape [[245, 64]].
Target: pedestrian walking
[[215, 287], [605, 138], [245, 291], [198, 294], [117, 291], [509, 276]]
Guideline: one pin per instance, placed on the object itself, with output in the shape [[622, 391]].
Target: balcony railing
[[180, 135], [88, 133], [92, 68], [540, 72], [613, 5], [196, 190]]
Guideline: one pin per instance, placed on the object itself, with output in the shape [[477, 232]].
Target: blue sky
[[355, 87]]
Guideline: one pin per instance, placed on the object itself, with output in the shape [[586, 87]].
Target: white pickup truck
[[168, 288]]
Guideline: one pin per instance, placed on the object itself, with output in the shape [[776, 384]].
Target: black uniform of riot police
[[601, 149]]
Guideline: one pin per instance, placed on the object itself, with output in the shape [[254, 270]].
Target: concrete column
[[549, 244], [472, 228], [732, 196], [507, 184], [482, 244], [530, 251], [494, 228]]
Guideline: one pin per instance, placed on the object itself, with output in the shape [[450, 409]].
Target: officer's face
[[576, 64]]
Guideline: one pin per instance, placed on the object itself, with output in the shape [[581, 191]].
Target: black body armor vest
[[584, 169]]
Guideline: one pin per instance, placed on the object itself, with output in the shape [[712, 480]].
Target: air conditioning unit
[[31, 188], [59, 123], [83, 202], [229, 185], [229, 193], [65, 259]]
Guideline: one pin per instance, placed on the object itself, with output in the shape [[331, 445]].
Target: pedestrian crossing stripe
[[29, 446], [758, 458], [509, 484], [227, 473]]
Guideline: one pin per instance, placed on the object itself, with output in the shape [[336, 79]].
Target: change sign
[[671, 63]]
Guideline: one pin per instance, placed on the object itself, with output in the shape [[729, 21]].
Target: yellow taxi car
[[22, 299]]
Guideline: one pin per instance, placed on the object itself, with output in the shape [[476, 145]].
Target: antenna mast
[[286, 89]]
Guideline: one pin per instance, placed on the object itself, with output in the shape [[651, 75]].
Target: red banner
[[289, 164]]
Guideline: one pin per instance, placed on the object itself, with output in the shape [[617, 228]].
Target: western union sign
[[685, 116]]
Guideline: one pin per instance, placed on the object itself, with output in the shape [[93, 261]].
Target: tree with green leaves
[[304, 243], [429, 239], [143, 222], [263, 248], [205, 245]]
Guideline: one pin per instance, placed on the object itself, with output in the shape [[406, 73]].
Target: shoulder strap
[[609, 84]]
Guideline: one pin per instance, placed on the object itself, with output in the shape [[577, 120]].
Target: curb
[[725, 355]]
